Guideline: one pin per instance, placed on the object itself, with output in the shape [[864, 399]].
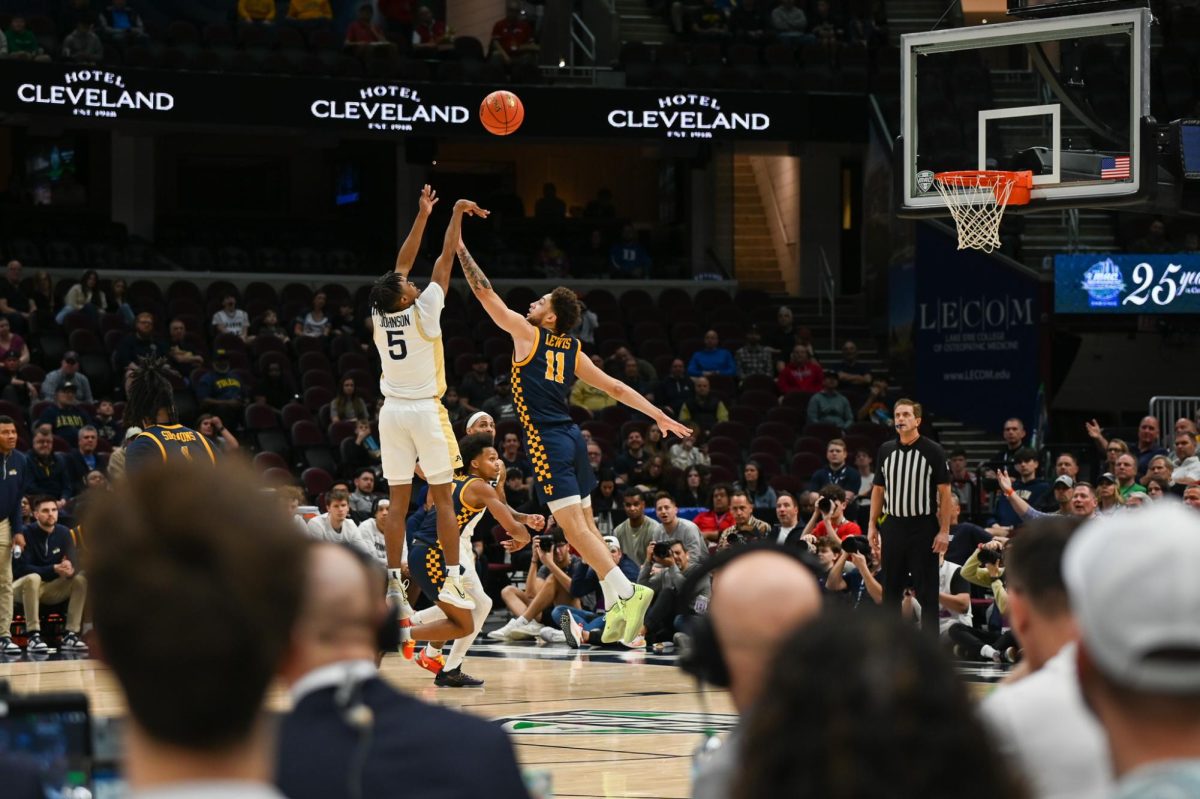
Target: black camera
[[546, 543], [825, 504], [856, 545], [733, 538], [987, 556], [662, 549]]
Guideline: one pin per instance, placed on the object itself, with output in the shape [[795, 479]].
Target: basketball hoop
[[977, 199]]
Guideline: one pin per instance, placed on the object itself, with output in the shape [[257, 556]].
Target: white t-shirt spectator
[[1042, 724], [236, 323], [315, 328], [369, 531], [1188, 471], [320, 529], [950, 581]]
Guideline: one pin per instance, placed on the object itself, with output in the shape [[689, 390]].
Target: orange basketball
[[501, 113]]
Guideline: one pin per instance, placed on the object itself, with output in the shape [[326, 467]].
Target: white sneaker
[[452, 593], [527, 630], [505, 633], [552, 636]]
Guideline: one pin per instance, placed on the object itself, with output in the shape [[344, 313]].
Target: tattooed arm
[[524, 335]]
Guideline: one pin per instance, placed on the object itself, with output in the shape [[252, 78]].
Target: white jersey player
[[413, 423]]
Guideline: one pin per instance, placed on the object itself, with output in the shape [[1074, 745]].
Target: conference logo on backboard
[[617, 722], [94, 93], [924, 180], [688, 116], [1103, 283], [390, 108]]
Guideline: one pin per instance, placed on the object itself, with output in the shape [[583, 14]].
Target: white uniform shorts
[[412, 430]]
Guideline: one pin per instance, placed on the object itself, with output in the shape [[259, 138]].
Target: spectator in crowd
[[852, 372], [1149, 444], [1057, 501], [985, 644], [717, 517], [876, 408], [547, 587], [762, 597], [1126, 474], [638, 529], [141, 343], [372, 528], [1191, 496], [429, 33], [896, 719], [1136, 660], [86, 295], [632, 459], [783, 336], [787, 530], [315, 323], [1159, 469], [22, 43], [595, 459], [1108, 494], [231, 319], [684, 453], [16, 389], [1027, 486], [676, 388], [678, 528], [275, 388], [828, 406], [762, 495], [663, 620], [628, 258], [122, 23], [829, 516], [633, 378], [549, 207], [1067, 464], [965, 536], [14, 303], [704, 408], [477, 387], [753, 358], [454, 409], [335, 644], [107, 425], [48, 570], [512, 457], [268, 325], [836, 471], [710, 22], [712, 359], [13, 480], [221, 391], [585, 395], [963, 484], [1013, 434], [789, 22], [1045, 708], [83, 46], [823, 26], [551, 261], [42, 293], [68, 371], [745, 528], [615, 365], [336, 526], [11, 342], [650, 479], [362, 449], [310, 14], [218, 435], [118, 301], [65, 417], [178, 352], [853, 579], [801, 373], [84, 458], [348, 406], [230, 592], [362, 33], [693, 491], [1086, 502], [501, 406], [1155, 241], [512, 37], [362, 499], [585, 331], [586, 627], [1186, 463], [256, 12]]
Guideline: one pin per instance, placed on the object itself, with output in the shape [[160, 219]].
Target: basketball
[[501, 113]]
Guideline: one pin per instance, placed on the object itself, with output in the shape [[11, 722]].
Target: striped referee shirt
[[910, 475]]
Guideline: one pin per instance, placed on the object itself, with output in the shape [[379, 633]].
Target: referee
[[911, 510]]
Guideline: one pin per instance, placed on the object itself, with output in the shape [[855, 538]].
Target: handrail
[[828, 287], [775, 206], [578, 27]]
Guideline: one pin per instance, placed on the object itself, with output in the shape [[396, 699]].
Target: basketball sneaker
[[453, 593], [34, 645], [433, 664], [398, 592], [552, 636], [455, 678], [624, 621], [505, 633], [408, 649], [7, 647], [572, 631], [72, 643], [526, 630]]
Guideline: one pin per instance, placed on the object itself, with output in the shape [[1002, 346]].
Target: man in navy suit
[[352, 734]]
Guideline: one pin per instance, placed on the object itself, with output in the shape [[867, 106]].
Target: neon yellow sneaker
[[624, 621]]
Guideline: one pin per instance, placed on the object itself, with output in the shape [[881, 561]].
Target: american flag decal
[[1114, 168]]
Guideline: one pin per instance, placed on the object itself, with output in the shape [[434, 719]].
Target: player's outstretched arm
[[510, 321], [589, 373], [480, 493], [445, 261], [408, 250]]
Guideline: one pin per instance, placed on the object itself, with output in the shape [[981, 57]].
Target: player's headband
[[475, 417]]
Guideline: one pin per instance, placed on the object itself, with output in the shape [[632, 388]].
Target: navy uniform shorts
[[426, 564], [560, 463]]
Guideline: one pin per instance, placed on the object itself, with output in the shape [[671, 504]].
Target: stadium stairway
[[639, 24]]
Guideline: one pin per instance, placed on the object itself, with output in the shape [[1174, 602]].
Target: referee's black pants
[[907, 548]]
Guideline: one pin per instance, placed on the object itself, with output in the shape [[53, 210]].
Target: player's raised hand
[[428, 199], [668, 426], [535, 522], [470, 208], [513, 544]]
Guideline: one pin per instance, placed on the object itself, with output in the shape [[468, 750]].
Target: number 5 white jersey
[[410, 348]]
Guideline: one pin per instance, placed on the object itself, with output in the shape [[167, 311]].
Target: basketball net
[[977, 200]]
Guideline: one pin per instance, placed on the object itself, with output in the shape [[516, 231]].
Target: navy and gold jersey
[[541, 384], [464, 514], [164, 443]]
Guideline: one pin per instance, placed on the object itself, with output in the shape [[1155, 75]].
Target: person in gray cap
[[68, 370], [1138, 659]]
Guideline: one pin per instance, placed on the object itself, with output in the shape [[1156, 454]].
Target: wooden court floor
[[598, 722]]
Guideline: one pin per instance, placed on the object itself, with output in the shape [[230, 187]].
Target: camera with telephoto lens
[[856, 545], [825, 505], [733, 538], [546, 543], [662, 549], [987, 556]]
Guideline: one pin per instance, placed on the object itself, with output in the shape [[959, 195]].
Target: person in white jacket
[[335, 524]]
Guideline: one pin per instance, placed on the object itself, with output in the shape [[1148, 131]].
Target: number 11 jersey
[[541, 383], [410, 348]]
